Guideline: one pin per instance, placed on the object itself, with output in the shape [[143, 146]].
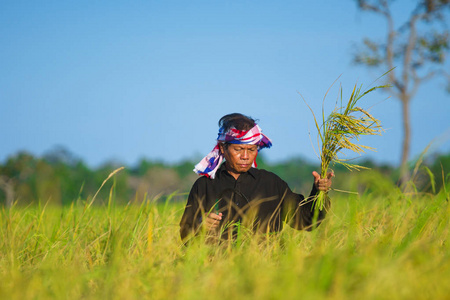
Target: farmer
[[237, 193]]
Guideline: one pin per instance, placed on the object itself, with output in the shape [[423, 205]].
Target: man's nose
[[245, 154]]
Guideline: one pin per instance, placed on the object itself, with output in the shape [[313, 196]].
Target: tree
[[417, 49], [7, 185]]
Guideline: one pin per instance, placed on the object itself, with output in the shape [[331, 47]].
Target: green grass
[[370, 247]]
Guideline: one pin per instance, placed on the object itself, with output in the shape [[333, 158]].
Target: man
[[236, 193]]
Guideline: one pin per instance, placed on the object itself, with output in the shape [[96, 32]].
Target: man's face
[[239, 157]]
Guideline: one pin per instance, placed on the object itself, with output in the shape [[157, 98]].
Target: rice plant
[[341, 130], [369, 247]]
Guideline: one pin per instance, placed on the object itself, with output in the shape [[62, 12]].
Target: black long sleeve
[[257, 194]]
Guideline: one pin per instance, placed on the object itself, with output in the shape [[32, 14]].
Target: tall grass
[[375, 246]]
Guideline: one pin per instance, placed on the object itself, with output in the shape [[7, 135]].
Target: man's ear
[[221, 148]]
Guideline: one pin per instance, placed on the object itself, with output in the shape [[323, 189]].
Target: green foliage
[[57, 181], [65, 181], [370, 55], [437, 45]]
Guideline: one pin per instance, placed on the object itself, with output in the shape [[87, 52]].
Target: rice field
[[371, 246]]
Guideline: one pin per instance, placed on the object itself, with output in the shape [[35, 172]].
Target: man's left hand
[[322, 184]]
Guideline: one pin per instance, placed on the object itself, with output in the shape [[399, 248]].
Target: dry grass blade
[[104, 181]]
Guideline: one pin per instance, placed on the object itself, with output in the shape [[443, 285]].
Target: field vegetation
[[379, 243]]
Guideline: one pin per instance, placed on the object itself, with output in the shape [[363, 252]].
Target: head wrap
[[210, 163]]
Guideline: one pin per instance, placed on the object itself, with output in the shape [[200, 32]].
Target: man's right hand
[[212, 221]]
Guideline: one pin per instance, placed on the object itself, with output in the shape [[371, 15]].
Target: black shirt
[[258, 199]]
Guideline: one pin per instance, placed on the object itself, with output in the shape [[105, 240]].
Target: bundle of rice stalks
[[340, 130]]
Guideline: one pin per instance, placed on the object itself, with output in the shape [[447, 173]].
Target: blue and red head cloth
[[210, 163]]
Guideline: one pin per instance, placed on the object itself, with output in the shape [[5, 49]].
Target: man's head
[[239, 157], [238, 141]]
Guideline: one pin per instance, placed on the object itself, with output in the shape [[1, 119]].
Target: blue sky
[[122, 80]]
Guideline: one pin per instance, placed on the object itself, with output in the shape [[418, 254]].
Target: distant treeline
[[60, 178]]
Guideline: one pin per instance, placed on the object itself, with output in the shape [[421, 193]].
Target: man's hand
[[322, 184], [212, 221]]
